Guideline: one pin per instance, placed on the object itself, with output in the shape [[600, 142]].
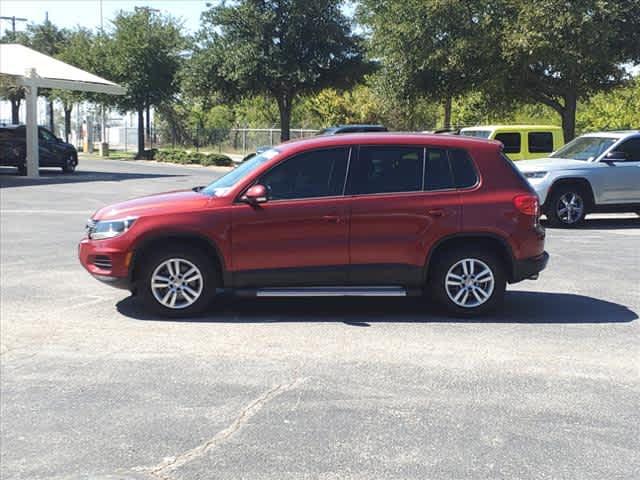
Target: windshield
[[584, 148], [221, 186], [476, 133]]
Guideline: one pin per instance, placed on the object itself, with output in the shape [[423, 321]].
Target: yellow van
[[521, 142]]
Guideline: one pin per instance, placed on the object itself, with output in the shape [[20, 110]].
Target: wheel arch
[[160, 240], [581, 181], [489, 240]]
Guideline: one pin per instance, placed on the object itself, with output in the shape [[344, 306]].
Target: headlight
[[98, 230], [535, 174]]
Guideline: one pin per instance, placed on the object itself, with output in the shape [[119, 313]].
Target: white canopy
[[35, 70]]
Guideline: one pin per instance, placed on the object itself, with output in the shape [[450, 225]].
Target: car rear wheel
[[567, 206], [177, 282], [70, 164], [468, 282]]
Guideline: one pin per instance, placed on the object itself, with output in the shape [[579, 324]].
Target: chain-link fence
[[233, 140]]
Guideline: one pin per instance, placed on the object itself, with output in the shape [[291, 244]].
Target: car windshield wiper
[[199, 188]]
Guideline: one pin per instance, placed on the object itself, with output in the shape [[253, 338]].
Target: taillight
[[527, 204]]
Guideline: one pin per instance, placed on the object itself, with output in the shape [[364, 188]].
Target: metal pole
[[31, 94]]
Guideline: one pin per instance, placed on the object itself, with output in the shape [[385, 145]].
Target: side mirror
[[255, 195], [615, 156]]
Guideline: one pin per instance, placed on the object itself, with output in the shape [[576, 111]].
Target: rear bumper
[[529, 267]]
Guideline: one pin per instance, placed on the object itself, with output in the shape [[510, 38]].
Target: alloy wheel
[[177, 283], [469, 283], [570, 208]]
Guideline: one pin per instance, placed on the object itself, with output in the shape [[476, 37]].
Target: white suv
[[596, 172]]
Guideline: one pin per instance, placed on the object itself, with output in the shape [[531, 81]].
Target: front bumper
[[529, 267], [105, 262]]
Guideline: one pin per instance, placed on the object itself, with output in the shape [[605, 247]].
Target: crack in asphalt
[[164, 469]]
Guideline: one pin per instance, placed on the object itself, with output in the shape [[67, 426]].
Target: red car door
[[399, 210], [299, 236]]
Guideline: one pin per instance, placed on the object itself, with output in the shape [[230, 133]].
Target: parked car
[[53, 151], [335, 130], [596, 172], [359, 215], [521, 142], [362, 128]]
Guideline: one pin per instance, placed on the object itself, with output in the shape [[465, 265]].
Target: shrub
[[196, 158]]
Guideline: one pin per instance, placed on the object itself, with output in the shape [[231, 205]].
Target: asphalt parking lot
[[92, 387]]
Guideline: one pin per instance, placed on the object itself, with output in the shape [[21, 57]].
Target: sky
[[69, 13]]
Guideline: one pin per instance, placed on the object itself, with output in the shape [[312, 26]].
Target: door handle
[[436, 212], [332, 218]]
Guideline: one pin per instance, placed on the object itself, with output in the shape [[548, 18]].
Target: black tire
[[447, 260], [557, 200], [153, 261], [70, 164]]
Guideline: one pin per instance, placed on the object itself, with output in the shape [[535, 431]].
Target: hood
[[163, 203], [549, 164]]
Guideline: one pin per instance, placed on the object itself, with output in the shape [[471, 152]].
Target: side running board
[[332, 292]]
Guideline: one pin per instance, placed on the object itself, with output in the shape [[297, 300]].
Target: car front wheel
[[468, 282], [70, 164], [567, 207], [177, 283]]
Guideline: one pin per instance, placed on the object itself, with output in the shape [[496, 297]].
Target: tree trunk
[[140, 132], [67, 123], [50, 109], [284, 106], [569, 117], [15, 111], [447, 112]]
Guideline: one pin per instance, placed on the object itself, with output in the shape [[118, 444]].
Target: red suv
[[348, 215]]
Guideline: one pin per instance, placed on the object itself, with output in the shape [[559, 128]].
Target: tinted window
[[464, 173], [511, 142], [540, 142], [386, 169], [47, 135], [318, 173], [437, 175], [632, 148]]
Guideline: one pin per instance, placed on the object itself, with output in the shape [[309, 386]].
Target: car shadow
[[519, 307], [9, 177], [612, 223]]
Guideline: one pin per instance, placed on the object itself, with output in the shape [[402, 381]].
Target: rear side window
[[464, 173], [540, 142], [318, 173], [438, 174], [386, 170], [512, 142]]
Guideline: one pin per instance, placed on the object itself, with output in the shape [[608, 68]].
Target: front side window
[[437, 175], [584, 148], [319, 173], [632, 148], [386, 170], [540, 142], [511, 141], [46, 135], [224, 184]]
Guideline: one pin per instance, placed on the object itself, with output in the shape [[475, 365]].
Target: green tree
[[438, 49], [558, 53], [279, 48], [144, 55], [618, 109], [81, 50]]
